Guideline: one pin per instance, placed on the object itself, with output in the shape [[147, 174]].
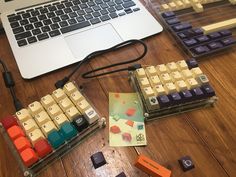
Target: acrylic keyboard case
[[185, 24], [173, 88], [49, 128]]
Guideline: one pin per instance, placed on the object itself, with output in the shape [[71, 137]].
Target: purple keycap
[[175, 98], [202, 39], [200, 49], [163, 101], [168, 14], [197, 93], [215, 35], [197, 31], [215, 45], [228, 41], [192, 63], [186, 95], [172, 21], [182, 35], [208, 90], [226, 33], [190, 42], [182, 26]]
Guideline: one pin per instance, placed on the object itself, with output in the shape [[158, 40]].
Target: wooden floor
[[207, 135]]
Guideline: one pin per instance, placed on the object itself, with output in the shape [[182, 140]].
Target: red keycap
[[8, 122], [43, 148], [29, 157], [15, 132], [22, 143]]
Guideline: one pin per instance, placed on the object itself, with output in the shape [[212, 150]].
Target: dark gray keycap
[[136, 9], [38, 24], [42, 17], [228, 41], [24, 22], [54, 26], [42, 36], [104, 12], [33, 19], [96, 8], [31, 40], [128, 11], [96, 14], [23, 35], [72, 21], [15, 24], [95, 21], [18, 30], [36, 31], [113, 15], [22, 42], [128, 4], [190, 42], [29, 27], [105, 17], [215, 35], [45, 29], [54, 33], [80, 19], [202, 39], [63, 23], [56, 19], [72, 15], [75, 27], [192, 63], [26, 15], [119, 7], [226, 33], [88, 16], [111, 9]]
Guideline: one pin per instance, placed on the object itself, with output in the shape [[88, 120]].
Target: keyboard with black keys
[[57, 18], [172, 88], [49, 128]]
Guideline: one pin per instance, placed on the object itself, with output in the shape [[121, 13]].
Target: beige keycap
[[35, 135], [144, 82], [165, 78], [171, 67], [170, 88], [90, 115], [187, 74], [29, 125], [154, 80], [182, 65], [48, 127], [60, 119], [148, 92], [165, 7], [161, 69], [181, 85], [76, 97], [23, 115], [196, 72], [202, 79], [151, 71], [179, 4], [35, 108], [47, 101], [191, 83], [58, 94], [159, 89], [72, 112], [82, 105], [172, 6], [69, 88], [65, 103], [197, 7], [54, 110], [41, 118], [176, 76], [186, 3], [140, 73]]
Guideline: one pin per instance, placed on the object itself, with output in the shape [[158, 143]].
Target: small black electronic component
[[98, 159], [186, 163], [122, 174]]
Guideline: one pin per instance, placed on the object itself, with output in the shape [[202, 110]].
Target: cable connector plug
[[8, 79], [134, 67], [18, 105], [61, 83]]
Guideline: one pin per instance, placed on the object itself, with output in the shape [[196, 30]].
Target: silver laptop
[[45, 36]]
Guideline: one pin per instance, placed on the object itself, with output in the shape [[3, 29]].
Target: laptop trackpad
[[83, 43]]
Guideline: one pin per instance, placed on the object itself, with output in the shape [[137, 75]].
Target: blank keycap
[[196, 71], [9, 121], [176, 75], [164, 101], [55, 139], [22, 143], [43, 148], [29, 157], [35, 136], [15, 132], [68, 131], [23, 115]]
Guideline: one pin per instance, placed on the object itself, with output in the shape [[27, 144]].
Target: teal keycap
[[55, 139], [68, 130]]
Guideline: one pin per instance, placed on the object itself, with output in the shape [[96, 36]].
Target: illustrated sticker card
[[126, 121]]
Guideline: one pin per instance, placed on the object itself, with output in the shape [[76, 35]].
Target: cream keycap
[[172, 6], [176, 76], [151, 71], [165, 7], [54, 110], [196, 72], [35, 135], [187, 73], [65, 103], [172, 67], [29, 125], [90, 115], [70, 88], [154, 80], [72, 112], [180, 5], [60, 119], [48, 127], [41, 118], [159, 89], [35, 108], [47, 101], [140, 73], [148, 92], [76, 97], [181, 85], [165, 78], [191, 83], [170, 88], [161, 69], [82, 105], [23, 115], [144, 82], [58, 94], [182, 65], [197, 7]]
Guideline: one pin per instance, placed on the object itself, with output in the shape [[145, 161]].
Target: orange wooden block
[[15, 132], [29, 157], [114, 129], [130, 123], [151, 167], [22, 143]]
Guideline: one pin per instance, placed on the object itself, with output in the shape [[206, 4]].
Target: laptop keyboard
[[46, 21]]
